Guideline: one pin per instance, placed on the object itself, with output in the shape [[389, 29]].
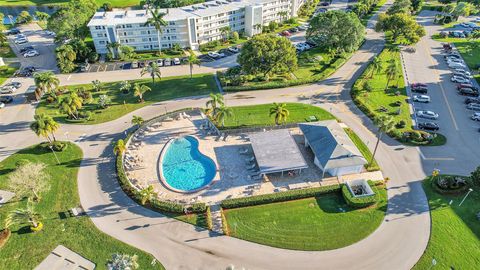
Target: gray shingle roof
[[331, 145]]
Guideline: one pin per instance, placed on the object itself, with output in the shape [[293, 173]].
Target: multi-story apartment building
[[188, 26]]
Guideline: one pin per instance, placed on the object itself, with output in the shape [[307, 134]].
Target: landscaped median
[[25, 249], [113, 101], [307, 219]]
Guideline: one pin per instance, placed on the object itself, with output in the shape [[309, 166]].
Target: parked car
[[26, 49], [421, 90], [6, 99], [84, 67], [427, 114], [135, 64], [459, 79], [14, 84], [31, 53], [176, 61], [7, 89], [50, 33], [285, 34], [214, 55], [464, 72], [421, 98], [456, 65], [469, 100], [21, 41], [13, 31], [293, 30], [466, 85], [325, 4], [428, 126], [474, 106], [160, 62], [468, 92], [167, 62], [452, 54], [460, 74], [2, 105], [476, 116], [234, 49], [417, 84], [303, 27], [454, 60]]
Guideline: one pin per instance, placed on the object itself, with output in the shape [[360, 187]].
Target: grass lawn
[[115, 3], [385, 95], [454, 240], [6, 72], [220, 46], [6, 51], [313, 62], [322, 223], [121, 104], [362, 147], [25, 250], [259, 115]]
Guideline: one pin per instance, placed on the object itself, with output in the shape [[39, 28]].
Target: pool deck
[[232, 179]]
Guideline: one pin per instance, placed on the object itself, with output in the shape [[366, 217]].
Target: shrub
[[448, 184], [359, 202], [59, 146], [165, 206], [278, 197], [209, 219], [4, 236], [198, 208], [401, 124]]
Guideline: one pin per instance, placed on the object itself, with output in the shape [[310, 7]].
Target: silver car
[[474, 106], [421, 98], [427, 114]]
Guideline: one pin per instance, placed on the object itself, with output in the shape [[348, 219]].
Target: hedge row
[[278, 197], [359, 202]]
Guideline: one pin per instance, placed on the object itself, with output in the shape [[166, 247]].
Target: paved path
[[399, 241]]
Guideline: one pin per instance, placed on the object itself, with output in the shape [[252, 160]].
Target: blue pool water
[[184, 167]]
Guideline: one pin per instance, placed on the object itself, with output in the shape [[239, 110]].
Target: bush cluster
[[57, 146], [278, 197], [448, 184], [359, 202]]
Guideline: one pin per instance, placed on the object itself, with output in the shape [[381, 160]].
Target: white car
[[213, 54], [421, 98], [458, 79], [7, 89], [21, 40], [31, 53], [464, 72], [456, 65], [167, 62], [454, 60], [19, 36], [234, 49], [176, 61], [474, 106], [427, 114], [160, 62], [50, 33], [476, 116], [2, 105]]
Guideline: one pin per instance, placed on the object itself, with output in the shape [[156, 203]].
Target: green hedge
[[360, 202], [278, 197]]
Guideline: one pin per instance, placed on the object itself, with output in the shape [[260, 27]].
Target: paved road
[[399, 241]]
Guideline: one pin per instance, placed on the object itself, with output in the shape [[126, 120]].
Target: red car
[[418, 85], [285, 34], [465, 85]]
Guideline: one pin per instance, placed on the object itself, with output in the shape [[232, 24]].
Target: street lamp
[[434, 262], [469, 190], [51, 148]]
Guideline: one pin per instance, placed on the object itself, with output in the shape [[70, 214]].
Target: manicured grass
[[6, 72], [385, 95], [259, 115], [25, 250], [115, 3], [313, 62], [6, 51], [362, 147], [322, 223], [165, 89], [227, 44], [454, 239]]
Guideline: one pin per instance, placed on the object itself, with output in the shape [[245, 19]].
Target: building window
[[129, 26], [171, 23], [101, 42], [99, 35]]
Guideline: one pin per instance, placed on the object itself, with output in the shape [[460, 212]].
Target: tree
[[147, 194], [65, 58], [361, 9], [107, 6], [139, 90], [126, 52], [23, 17], [156, 19], [70, 20], [235, 36], [336, 31], [268, 54], [70, 104], [137, 120], [463, 9], [46, 81], [113, 49], [23, 216], [29, 180], [97, 85], [225, 31], [400, 6], [41, 16], [400, 25], [385, 124], [216, 100], [119, 147], [153, 70], [125, 87], [391, 71], [221, 113], [103, 101], [44, 126], [283, 15], [376, 66], [280, 112], [192, 60], [123, 262], [3, 38], [475, 176], [81, 49], [257, 27]]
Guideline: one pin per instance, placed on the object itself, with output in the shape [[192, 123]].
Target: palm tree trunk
[[153, 78], [376, 146], [191, 71], [53, 135], [159, 42]]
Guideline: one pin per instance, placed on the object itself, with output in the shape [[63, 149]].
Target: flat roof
[[62, 258], [276, 151]]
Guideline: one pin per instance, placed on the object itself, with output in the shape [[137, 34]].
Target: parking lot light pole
[[464, 198], [434, 262], [51, 148]]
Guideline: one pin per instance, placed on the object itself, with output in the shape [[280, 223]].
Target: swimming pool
[[184, 168]]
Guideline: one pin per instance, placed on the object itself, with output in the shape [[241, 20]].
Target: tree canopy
[[71, 20], [400, 25], [336, 31], [268, 54]]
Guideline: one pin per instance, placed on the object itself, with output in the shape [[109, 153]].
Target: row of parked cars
[[160, 62], [21, 39], [224, 52], [8, 89]]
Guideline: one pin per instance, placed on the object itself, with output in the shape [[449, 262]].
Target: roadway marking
[[433, 158], [68, 78], [429, 52]]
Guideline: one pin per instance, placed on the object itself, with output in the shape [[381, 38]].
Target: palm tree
[[44, 126], [97, 85], [215, 101], [119, 147], [153, 70], [113, 48], [156, 19], [257, 27], [3, 38], [283, 15], [125, 87], [280, 112], [376, 65], [391, 71], [71, 104], [192, 60], [385, 124], [139, 90], [22, 216], [225, 31], [66, 56], [147, 194], [46, 82], [222, 113], [137, 120]]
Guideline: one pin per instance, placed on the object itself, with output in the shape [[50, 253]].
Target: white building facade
[[188, 26]]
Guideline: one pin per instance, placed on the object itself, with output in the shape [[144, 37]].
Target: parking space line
[[429, 52], [433, 158]]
